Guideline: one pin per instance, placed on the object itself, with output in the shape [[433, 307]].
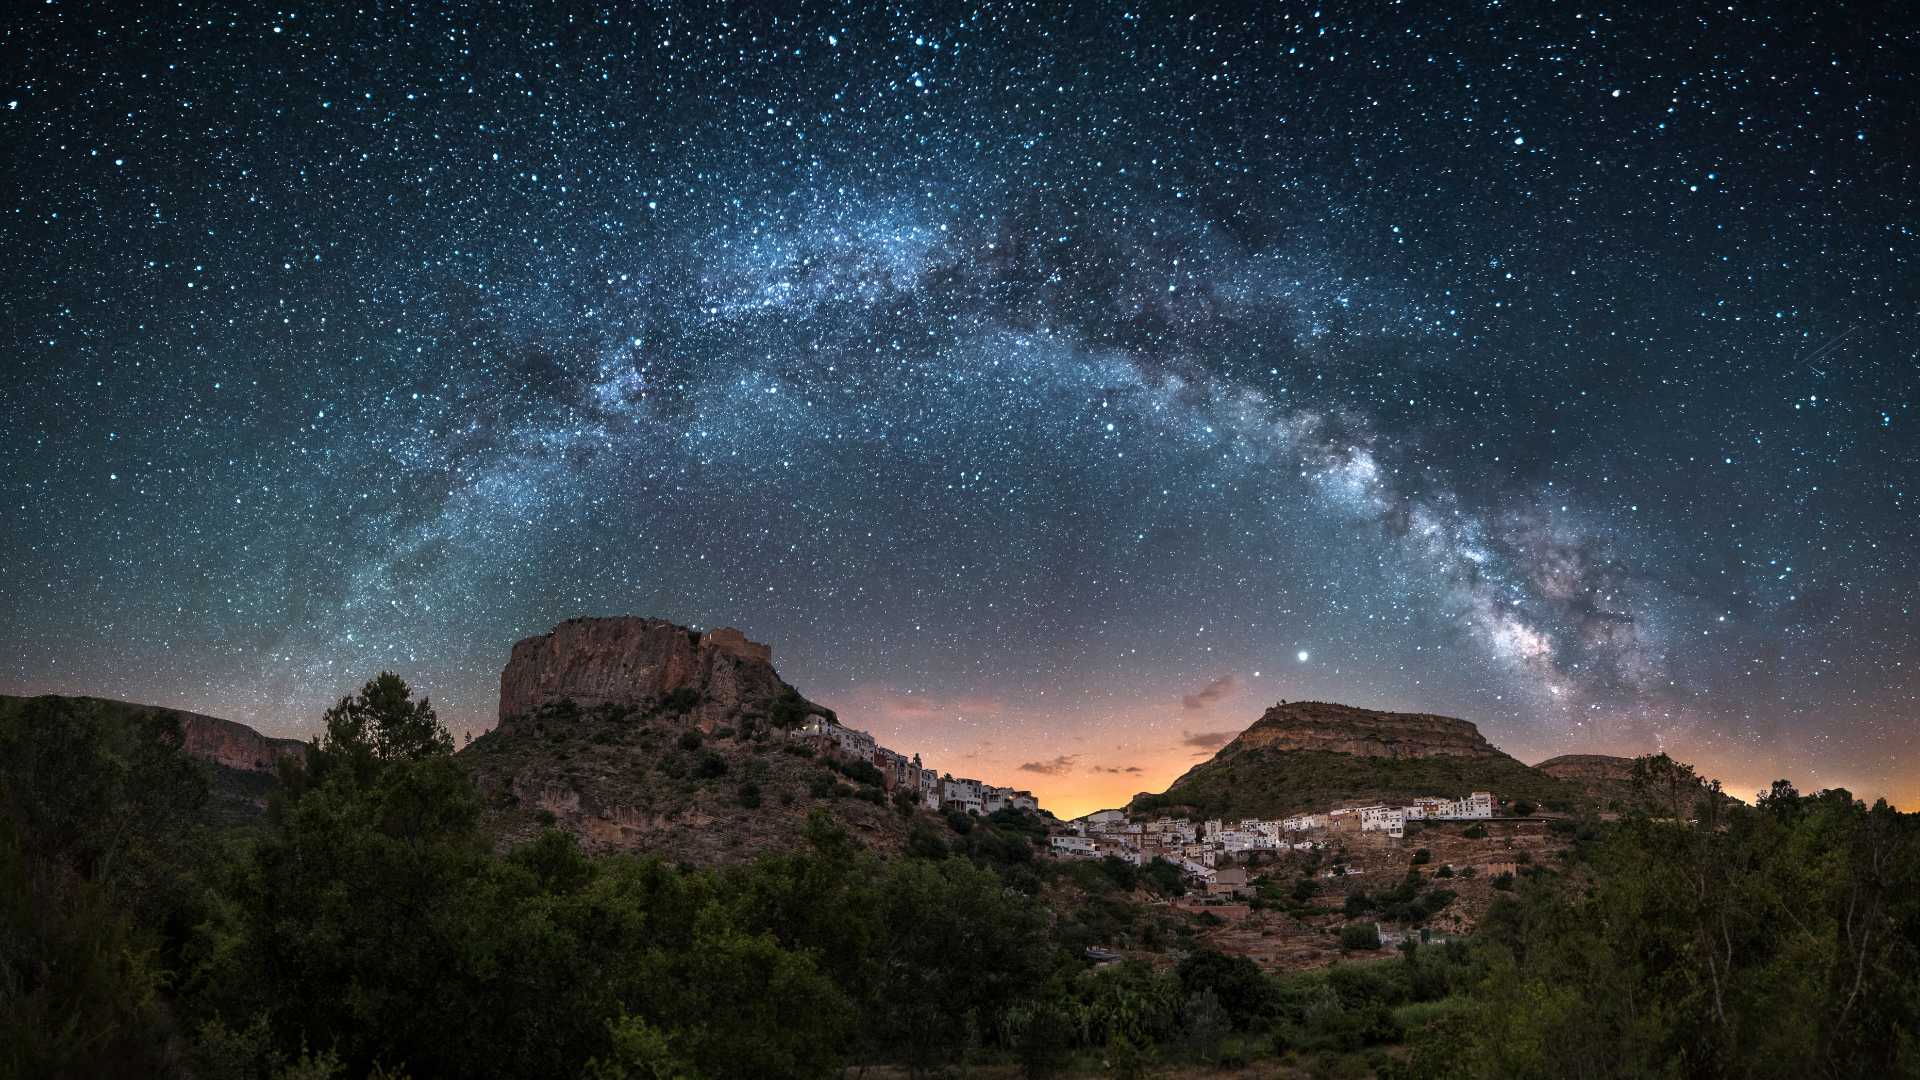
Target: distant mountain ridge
[[1589, 768], [223, 742], [243, 760]]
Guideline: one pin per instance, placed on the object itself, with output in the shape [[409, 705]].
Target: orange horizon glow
[[1102, 758]]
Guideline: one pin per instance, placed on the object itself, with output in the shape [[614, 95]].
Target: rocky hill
[[1343, 729], [242, 759], [641, 735], [1599, 775], [1310, 755], [638, 662]]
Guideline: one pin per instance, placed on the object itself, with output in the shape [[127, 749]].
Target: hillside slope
[[241, 760], [1311, 755]]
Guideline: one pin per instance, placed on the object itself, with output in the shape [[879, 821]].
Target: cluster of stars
[[1563, 380]]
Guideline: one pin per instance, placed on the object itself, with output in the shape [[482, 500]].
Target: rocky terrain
[[641, 735], [233, 745], [1311, 755], [649, 779], [1437, 859], [633, 662]]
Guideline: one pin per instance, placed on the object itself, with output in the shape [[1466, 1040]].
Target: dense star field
[[1053, 390]]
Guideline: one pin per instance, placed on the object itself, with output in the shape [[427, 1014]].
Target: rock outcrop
[[1344, 729], [640, 735], [232, 744], [634, 661]]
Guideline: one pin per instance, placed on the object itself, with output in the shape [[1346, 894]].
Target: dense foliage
[[369, 928], [1777, 940]]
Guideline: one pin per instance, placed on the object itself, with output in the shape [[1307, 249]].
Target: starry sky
[[1054, 387]]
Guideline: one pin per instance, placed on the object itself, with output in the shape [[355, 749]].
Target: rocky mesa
[[627, 661], [1344, 729], [1309, 755], [638, 734]]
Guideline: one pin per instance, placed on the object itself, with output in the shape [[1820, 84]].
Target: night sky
[[1053, 389]]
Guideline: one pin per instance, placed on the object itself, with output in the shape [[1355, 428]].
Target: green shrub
[[1235, 982], [1360, 936], [925, 842], [860, 772]]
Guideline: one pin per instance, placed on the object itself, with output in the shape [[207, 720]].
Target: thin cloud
[[1209, 693], [1118, 770], [1053, 767], [1207, 741]]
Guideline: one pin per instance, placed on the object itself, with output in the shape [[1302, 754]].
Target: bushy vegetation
[[369, 928], [1777, 940]]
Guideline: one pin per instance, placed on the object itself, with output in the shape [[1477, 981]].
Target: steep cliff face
[[234, 745], [1311, 755], [634, 661], [1343, 729]]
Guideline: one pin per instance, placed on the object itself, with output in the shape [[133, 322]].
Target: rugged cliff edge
[[232, 744], [626, 661]]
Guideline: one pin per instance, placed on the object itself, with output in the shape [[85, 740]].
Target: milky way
[[1048, 388]]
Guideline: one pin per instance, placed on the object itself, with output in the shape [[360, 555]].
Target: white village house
[[1203, 852]]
